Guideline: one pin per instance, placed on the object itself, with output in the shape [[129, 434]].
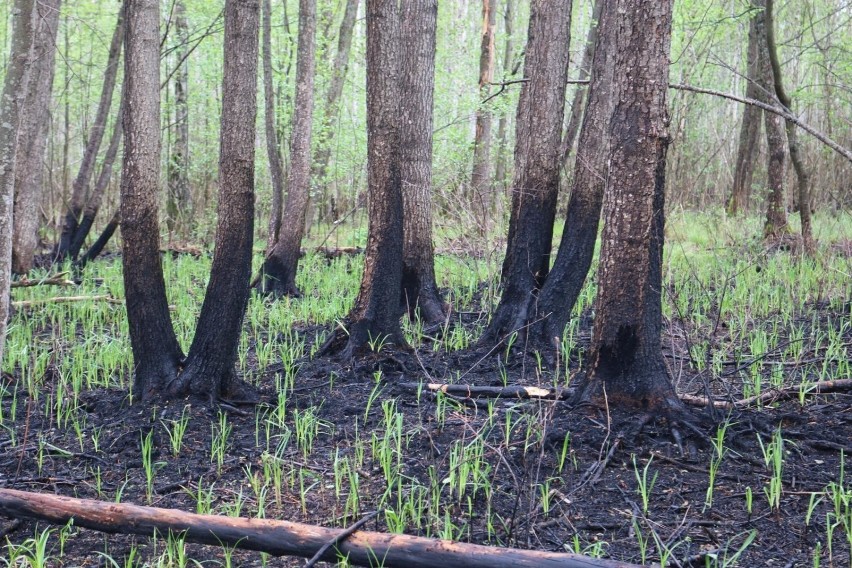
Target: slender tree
[[503, 122], [282, 262], [480, 178], [14, 85], [273, 152], [179, 202], [536, 177], [625, 365], [417, 80], [80, 185], [32, 137]]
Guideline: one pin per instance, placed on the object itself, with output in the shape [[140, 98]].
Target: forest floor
[[334, 440]]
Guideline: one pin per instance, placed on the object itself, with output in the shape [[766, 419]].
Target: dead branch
[[66, 299], [512, 391], [772, 395], [55, 280], [282, 538]]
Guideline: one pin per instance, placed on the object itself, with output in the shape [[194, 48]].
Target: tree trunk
[[374, 318], [480, 195], [577, 102], [536, 179], [749, 140], [625, 365], [209, 369], [93, 205], [273, 151], [417, 79], [84, 175], [99, 244], [502, 123], [14, 86], [332, 98], [281, 264], [565, 281], [179, 204], [802, 177], [156, 352], [32, 137]]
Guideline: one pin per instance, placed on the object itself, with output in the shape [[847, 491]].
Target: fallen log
[[55, 280], [282, 538], [511, 391], [821, 387], [66, 299]]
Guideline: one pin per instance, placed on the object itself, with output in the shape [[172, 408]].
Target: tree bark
[[281, 264], [14, 86], [273, 150], [749, 140], [502, 123], [32, 138], [802, 177], [565, 281], [536, 179], [102, 240], [179, 202], [419, 289], [625, 366], [156, 352], [80, 186], [332, 98], [283, 538], [375, 315], [480, 196], [209, 369]]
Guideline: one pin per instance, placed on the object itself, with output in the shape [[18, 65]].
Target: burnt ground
[[532, 491]]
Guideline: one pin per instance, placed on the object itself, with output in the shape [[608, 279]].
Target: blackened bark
[[802, 177], [536, 179], [179, 202], [156, 352], [282, 263], [375, 315], [625, 367], [565, 281], [502, 123], [32, 137], [209, 370], [749, 140], [273, 151], [80, 185], [14, 86], [102, 240], [417, 78], [93, 205], [481, 195]]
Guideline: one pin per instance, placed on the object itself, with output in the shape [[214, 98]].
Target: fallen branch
[[772, 395], [282, 538], [55, 280], [66, 299], [514, 391]]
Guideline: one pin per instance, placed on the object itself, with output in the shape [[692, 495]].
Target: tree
[[625, 365], [749, 139], [179, 200], [32, 136], [14, 86], [282, 262], [273, 153], [80, 185], [480, 194], [502, 123], [160, 367], [374, 318], [536, 177], [417, 79]]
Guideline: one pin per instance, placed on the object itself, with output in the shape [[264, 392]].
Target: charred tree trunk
[[156, 352], [281, 264], [565, 281], [375, 315], [93, 205], [99, 244], [14, 86], [332, 96], [480, 196], [536, 179], [209, 369], [802, 178], [749, 140], [625, 366], [84, 175], [273, 151], [179, 204], [417, 78], [578, 101], [32, 137]]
